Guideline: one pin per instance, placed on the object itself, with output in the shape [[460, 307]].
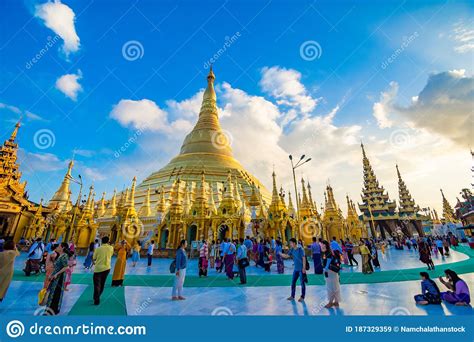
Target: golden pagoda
[[206, 147], [377, 209], [408, 210], [60, 199], [332, 219], [448, 212], [17, 213], [85, 230], [355, 227], [279, 222]]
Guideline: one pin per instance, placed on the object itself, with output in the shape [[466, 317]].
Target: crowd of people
[[231, 256]]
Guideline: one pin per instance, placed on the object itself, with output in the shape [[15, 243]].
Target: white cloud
[[40, 162], [69, 85], [286, 87], [31, 116], [92, 174], [147, 115], [11, 108], [381, 108], [444, 107], [60, 19], [464, 37]]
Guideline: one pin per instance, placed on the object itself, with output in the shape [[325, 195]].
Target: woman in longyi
[[122, 249]]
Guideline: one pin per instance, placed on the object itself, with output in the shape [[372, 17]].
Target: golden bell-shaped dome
[[206, 148]]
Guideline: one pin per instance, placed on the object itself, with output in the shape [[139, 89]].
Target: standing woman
[[7, 261], [57, 279], [375, 255], [50, 259], [279, 257], [181, 263], [230, 260], [365, 254], [119, 270], [425, 254], [90, 254], [446, 246], [136, 253], [331, 272], [203, 261], [219, 260], [212, 254]]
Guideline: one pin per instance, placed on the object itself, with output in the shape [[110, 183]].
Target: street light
[[293, 167]]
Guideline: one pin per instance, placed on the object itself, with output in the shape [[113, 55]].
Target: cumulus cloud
[[381, 108], [445, 107], [69, 85], [147, 115], [60, 19], [285, 86]]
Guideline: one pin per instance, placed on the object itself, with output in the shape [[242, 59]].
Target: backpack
[[173, 266]]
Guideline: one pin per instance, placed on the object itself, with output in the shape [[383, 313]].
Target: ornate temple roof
[[206, 148]]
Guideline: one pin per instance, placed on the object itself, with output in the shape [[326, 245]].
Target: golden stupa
[[206, 148]]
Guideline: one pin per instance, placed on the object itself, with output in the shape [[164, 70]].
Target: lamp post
[[293, 168]]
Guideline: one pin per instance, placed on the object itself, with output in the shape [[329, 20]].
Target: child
[[71, 263]]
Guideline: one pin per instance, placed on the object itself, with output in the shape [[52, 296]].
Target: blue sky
[[369, 100]]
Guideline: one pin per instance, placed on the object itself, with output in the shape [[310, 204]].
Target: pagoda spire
[[310, 197], [145, 209], [332, 220], [132, 193], [112, 206], [15, 132], [448, 212], [376, 204], [101, 209], [291, 208], [276, 205], [211, 202], [407, 208], [207, 135], [60, 197], [161, 204]]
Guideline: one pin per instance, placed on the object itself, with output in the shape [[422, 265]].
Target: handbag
[[43, 297], [173, 266], [244, 263], [334, 266]]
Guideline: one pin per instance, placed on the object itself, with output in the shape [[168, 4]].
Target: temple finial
[[211, 77], [15, 131]]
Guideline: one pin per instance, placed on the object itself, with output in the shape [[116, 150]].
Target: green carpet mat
[[112, 303]]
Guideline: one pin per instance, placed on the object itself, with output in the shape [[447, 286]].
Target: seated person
[[461, 295], [430, 293]]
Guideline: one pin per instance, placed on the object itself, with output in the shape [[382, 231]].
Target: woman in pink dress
[[71, 264]]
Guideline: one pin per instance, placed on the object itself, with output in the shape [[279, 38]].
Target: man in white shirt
[[149, 252]]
